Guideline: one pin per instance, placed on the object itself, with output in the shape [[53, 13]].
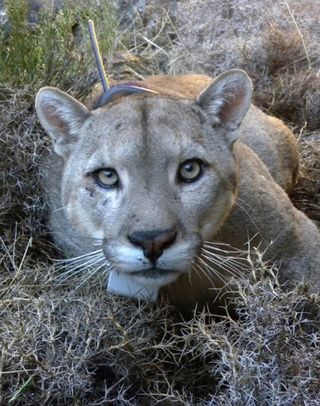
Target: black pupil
[[108, 173], [189, 167]]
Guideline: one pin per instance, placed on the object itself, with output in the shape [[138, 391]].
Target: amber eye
[[190, 171], [106, 177]]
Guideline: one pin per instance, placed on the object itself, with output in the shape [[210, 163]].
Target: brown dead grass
[[63, 346], [276, 43]]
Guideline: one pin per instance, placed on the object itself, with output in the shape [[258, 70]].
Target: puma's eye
[[106, 177], [190, 171]]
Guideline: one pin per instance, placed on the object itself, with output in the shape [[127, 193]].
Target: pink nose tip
[[153, 243]]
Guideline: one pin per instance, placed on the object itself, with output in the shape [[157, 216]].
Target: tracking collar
[[112, 93]]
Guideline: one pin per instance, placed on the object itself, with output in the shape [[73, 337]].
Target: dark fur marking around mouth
[[153, 273]]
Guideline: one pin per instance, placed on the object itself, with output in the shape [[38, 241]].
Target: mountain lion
[[166, 186]]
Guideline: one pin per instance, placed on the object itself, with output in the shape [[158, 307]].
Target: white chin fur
[[138, 287], [124, 285]]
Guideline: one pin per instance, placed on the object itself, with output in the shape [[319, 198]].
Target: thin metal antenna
[[97, 55]]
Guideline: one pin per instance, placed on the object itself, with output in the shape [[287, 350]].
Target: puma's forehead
[[145, 127], [143, 115]]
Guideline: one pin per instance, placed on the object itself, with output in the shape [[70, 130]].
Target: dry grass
[[67, 346], [64, 346], [276, 43]]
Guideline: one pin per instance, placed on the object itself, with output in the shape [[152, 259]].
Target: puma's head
[[150, 176]]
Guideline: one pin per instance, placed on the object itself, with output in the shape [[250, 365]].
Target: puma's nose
[[153, 242]]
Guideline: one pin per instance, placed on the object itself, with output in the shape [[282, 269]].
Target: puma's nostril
[[153, 242], [165, 240]]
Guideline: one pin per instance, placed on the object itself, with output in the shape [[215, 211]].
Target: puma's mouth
[[154, 273], [140, 284], [155, 277]]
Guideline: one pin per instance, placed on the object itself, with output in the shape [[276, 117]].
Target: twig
[[300, 34]]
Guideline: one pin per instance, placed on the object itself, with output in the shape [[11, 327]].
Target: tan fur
[[267, 136], [239, 197]]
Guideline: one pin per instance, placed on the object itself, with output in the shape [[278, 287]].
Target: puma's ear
[[61, 116], [226, 101]]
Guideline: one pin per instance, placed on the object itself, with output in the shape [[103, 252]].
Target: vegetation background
[[64, 345]]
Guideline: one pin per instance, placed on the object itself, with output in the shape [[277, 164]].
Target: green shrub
[[56, 50]]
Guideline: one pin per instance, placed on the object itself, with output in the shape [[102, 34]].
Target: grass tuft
[[56, 49]]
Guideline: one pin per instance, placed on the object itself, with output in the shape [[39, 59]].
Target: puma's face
[[148, 177], [147, 180]]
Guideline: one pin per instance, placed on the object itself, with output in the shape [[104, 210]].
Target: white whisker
[[59, 208], [79, 264], [234, 263], [91, 275], [235, 257], [219, 290], [79, 257], [224, 266], [200, 271], [246, 212], [212, 270], [213, 246], [220, 244], [83, 267]]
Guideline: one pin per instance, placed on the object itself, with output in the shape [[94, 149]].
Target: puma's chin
[[155, 277]]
